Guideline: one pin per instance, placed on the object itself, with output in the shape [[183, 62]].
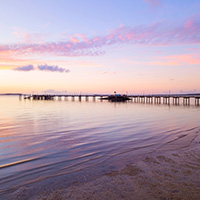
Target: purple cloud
[[24, 68], [52, 68], [146, 35]]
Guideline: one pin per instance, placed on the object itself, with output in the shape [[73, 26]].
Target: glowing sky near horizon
[[134, 46]]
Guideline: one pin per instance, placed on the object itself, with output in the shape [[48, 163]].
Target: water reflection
[[43, 139]]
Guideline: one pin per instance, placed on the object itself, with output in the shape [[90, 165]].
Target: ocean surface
[[52, 144]]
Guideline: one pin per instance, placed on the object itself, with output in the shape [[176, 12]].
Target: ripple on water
[[43, 140]]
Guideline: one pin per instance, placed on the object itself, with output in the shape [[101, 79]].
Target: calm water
[[46, 143]]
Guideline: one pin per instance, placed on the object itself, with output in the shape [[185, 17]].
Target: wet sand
[[171, 172]]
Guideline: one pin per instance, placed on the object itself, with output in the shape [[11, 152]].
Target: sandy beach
[[171, 172]]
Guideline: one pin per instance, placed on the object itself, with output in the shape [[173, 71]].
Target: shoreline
[[170, 172]]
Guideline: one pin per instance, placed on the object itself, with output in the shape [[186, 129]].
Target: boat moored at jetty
[[116, 98]]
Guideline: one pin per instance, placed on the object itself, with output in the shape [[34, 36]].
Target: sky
[[101, 46]]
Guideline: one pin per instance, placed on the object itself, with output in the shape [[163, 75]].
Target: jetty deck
[[176, 99]]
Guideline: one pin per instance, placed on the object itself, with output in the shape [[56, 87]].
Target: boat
[[116, 98]]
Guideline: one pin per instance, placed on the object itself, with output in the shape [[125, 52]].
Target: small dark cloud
[[26, 68], [171, 79], [52, 68], [49, 68]]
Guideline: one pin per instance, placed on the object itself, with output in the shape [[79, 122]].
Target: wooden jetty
[[175, 99], [167, 99]]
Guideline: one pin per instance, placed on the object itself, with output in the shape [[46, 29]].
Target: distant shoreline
[[11, 94]]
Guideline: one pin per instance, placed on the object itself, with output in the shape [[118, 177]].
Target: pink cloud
[[29, 38], [192, 23], [74, 40], [104, 73], [82, 37], [158, 52], [153, 3], [192, 59], [156, 62], [172, 60], [194, 49], [80, 45], [163, 63]]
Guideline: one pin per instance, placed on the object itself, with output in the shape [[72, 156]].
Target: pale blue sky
[[57, 17]]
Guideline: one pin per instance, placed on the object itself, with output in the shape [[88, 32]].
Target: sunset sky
[[100, 46]]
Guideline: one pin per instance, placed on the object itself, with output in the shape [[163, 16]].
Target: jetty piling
[[186, 100], [175, 100], [197, 101], [166, 100]]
